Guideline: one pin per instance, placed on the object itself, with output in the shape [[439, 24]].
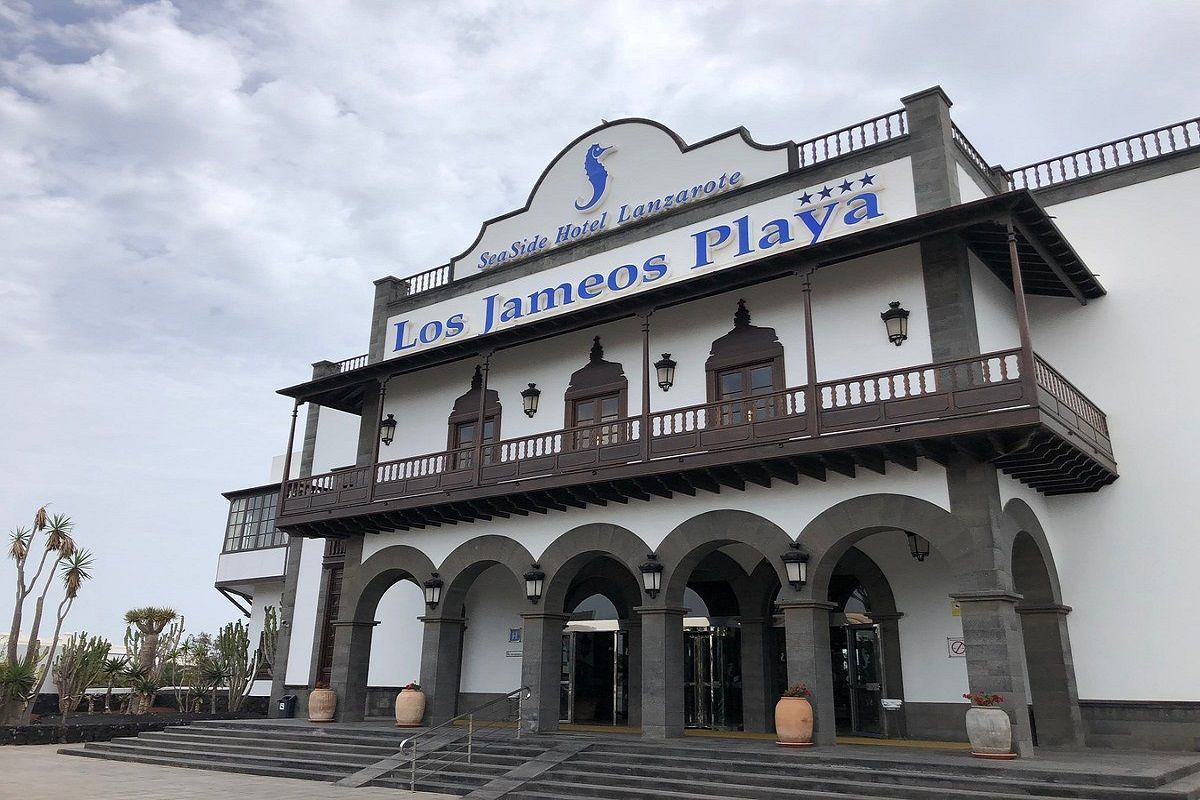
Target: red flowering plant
[[412, 686], [798, 690], [984, 699]]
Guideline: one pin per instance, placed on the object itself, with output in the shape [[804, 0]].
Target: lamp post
[[795, 561], [652, 572], [665, 367], [535, 581], [917, 545], [529, 399], [896, 321], [433, 591], [387, 429]]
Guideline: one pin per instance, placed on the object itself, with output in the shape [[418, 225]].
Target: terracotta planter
[[322, 703], [794, 722], [990, 732], [410, 708]]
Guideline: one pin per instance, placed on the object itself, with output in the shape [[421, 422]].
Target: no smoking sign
[[956, 647]]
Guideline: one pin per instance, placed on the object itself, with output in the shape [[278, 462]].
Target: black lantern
[[896, 321], [387, 430], [666, 372], [795, 561], [433, 591], [917, 545], [652, 572], [535, 581], [529, 398]]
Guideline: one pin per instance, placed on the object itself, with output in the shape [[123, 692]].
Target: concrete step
[[595, 791], [215, 740], [927, 783], [280, 760], [380, 738], [247, 749], [213, 765]]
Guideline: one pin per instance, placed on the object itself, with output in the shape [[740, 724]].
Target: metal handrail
[[521, 695]]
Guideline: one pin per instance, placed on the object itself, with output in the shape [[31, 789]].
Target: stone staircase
[[578, 766]]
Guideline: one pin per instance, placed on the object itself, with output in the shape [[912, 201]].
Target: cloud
[[197, 195]]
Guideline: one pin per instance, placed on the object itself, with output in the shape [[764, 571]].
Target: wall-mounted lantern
[[665, 367], [387, 429], [917, 545], [529, 399], [896, 321], [535, 581], [795, 561], [433, 591], [652, 572]]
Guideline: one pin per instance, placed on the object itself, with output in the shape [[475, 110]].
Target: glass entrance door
[[594, 678], [712, 678], [857, 680]]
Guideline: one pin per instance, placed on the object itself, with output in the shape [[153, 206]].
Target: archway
[[1054, 698], [472, 647]]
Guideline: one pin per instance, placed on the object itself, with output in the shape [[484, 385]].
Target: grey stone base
[[937, 722], [1141, 725]]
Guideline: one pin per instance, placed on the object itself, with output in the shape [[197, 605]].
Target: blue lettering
[[512, 310], [734, 178], [869, 208], [401, 336], [654, 268], [591, 286], [489, 316], [705, 244], [430, 332], [548, 298], [815, 226], [455, 325], [777, 231], [613, 281], [743, 226]]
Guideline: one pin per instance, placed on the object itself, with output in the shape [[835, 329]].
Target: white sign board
[[956, 647], [789, 221]]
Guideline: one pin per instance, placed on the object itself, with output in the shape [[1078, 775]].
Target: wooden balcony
[[1032, 423]]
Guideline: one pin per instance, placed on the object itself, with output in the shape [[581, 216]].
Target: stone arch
[[467, 561], [359, 603], [872, 579], [693, 540], [836, 529], [1053, 693], [569, 554]]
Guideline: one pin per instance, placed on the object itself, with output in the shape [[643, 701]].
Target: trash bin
[[287, 706]]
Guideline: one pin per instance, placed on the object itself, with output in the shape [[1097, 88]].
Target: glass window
[[251, 523], [464, 441], [743, 393], [596, 420]]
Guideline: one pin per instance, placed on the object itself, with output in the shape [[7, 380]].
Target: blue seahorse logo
[[597, 176]]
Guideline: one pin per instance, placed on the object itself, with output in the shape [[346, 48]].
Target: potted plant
[[410, 706], [794, 717], [988, 726], [322, 703]]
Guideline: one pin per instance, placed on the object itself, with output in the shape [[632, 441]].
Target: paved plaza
[[38, 772]]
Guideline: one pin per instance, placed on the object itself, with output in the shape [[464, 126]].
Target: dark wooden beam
[[783, 470], [903, 455], [610, 492], [839, 462], [702, 480], [935, 452], [754, 473], [653, 485], [631, 489], [810, 467], [678, 482], [727, 477], [870, 458]]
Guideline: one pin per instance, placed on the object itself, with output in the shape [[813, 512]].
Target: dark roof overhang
[[1049, 266]]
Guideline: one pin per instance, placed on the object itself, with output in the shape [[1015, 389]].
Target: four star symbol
[[847, 185]]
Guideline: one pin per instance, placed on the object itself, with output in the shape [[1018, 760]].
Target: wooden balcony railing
[[884, 400]]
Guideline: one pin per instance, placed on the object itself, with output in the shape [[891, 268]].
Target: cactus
[[79, 664]]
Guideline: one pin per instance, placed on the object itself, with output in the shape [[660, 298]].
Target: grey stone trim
[[1142, 724], [541, 664], [949, 297], [662, 644], [471, 558], [932, 149], [938, 722], [1119, 178], [570, 553], [1059, 610], [1024, 521]]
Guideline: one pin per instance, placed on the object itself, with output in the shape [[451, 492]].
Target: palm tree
[[111, 669], [76, 568], [150, 622]]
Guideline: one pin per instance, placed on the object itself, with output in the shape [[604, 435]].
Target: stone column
[[634, 687], [351, 660], [893, 673], [541, 670], [757, 708], [931, 143], [287, 616], [441, 665], [1051, 675], [662, 671], [806, 628], [996, 656]]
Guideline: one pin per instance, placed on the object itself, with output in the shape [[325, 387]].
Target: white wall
[[304, 614], [265, 594], [337, 440], [494, 604], [250, 565], [968, 188], [995, 309], [848, 336], [1126, 555], [922, 591], [396, 640]]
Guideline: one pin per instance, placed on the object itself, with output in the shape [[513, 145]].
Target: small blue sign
[[514, 634]]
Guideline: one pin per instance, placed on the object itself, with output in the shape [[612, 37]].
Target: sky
[[195, 196]]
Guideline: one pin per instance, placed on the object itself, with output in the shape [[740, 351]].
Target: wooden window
[[597, 402], [464, 423], [745, 371]]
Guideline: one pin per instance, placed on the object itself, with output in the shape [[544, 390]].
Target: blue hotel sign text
[[798, 219]]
